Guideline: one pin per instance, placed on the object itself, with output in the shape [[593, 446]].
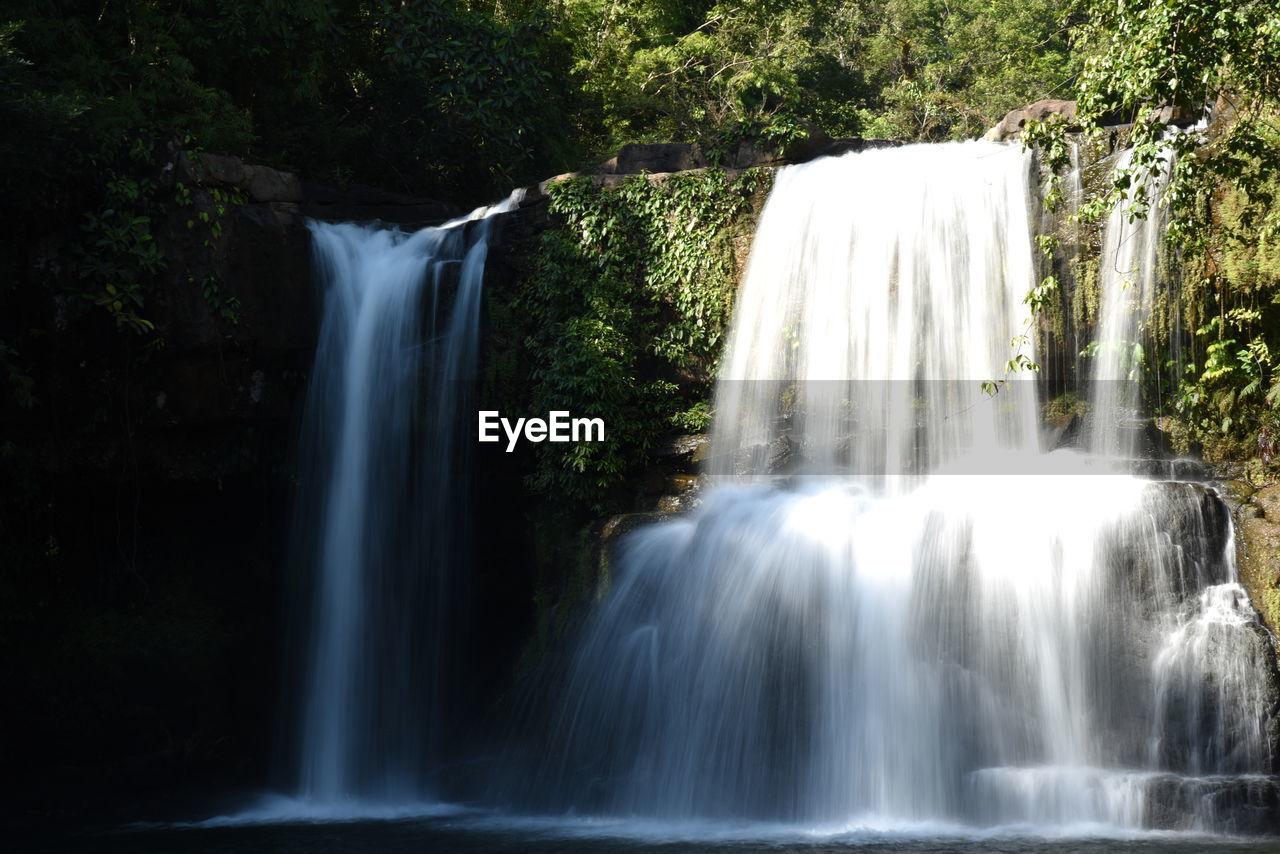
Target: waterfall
[[1127, 277], [875, 305], [383, 502], [927, 619]]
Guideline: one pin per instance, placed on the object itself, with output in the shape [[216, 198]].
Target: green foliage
[[772, 134], [663, 70], [1143, 58], [952, 69], [226, 308], [633, 282], [134, 64], [118, 259], [1229, 390], [19, 383], [1060, 410], [1143, 55], [463, 97], [29, 112], [916, 69], [429, 96]]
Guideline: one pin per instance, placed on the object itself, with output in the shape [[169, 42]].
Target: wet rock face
[[1257, 518], [1267, 500], [636, 158], [260, 183], [665, 157], [1255, 513], [250, 285], [235, 305], [1010, 127], [168, 459], [1192, 523], [315, 199], [365, 204], [1245, 805]]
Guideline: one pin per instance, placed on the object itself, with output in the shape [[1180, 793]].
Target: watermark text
[[558, 426]]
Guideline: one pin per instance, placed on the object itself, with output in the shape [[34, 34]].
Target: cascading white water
[[877, 301], [996, 637], [1127, 278], [380, 532]]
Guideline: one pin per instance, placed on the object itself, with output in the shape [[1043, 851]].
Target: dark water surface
[[472, 834]]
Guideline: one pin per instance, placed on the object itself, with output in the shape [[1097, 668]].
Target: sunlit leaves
[[629, 289]]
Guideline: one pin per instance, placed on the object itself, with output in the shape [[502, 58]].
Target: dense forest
[[468, 98], [463, 100], [459, 101]]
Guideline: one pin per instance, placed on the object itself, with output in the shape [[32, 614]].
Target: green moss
[[1259, 562], [1250, 248], [626, 304], [1061, 409], [1227, 382], [1085, 295]]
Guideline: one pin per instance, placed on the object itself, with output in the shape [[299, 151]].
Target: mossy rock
[[1239, 491], [1267, 500], [1258, 556]]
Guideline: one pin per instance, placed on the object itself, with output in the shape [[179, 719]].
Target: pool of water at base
[[470, 833]]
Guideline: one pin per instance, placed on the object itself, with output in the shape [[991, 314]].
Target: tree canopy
[[462, 98]]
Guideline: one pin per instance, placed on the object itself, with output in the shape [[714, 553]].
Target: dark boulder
[[259, 183], [636, 158], [1010, 127], [365, 204]]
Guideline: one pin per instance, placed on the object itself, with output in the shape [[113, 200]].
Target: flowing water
[[383, 478], [485, 834], [883, 289], [892, 623], [927, 620], [1128, 275]]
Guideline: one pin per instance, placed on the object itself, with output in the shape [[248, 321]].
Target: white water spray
[[878, 299], [384, 498], [1127, 279]]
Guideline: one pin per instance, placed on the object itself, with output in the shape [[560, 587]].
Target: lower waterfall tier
[[1043, 650]]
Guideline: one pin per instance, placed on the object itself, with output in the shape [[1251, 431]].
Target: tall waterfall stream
[[379, 524]]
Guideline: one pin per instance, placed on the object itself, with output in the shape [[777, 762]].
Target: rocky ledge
[[1257, 525]]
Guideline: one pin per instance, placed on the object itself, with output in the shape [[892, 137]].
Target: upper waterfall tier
[[884, 289]]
